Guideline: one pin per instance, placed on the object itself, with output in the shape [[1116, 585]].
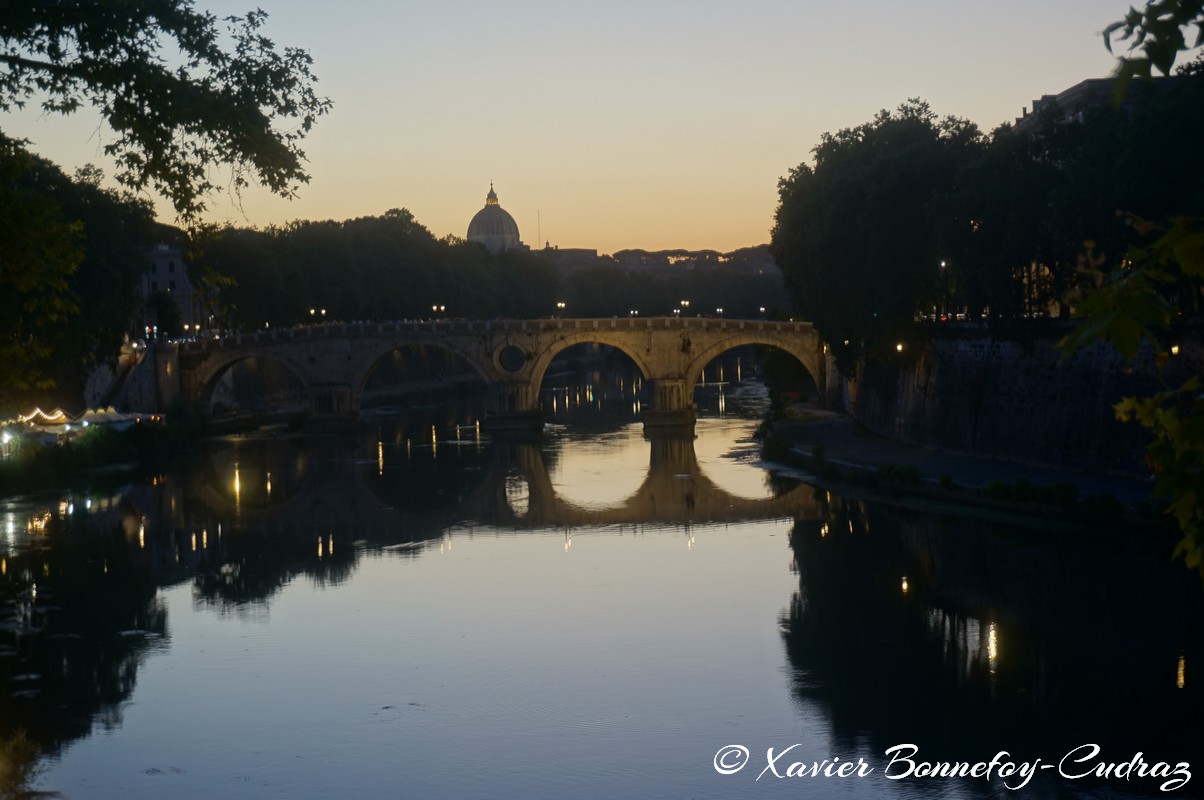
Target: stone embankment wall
[[150, 382], [969, 392]]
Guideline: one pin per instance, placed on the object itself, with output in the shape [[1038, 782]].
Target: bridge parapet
[[436, 327]]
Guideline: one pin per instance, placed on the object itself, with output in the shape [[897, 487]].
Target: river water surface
[[417, 611]]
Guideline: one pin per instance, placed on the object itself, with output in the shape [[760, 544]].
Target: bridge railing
[[397, 327]]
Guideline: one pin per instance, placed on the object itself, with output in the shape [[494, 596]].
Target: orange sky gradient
[[621, 125]]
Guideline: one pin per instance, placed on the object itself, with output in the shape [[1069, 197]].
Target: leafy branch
[[181, 89], [1130, 305]]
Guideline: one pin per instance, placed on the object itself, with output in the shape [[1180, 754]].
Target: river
[[417, 611]]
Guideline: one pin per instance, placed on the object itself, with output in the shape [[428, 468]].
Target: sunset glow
[[621, 125]]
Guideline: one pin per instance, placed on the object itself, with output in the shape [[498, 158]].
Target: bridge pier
[[332, 407], [331, 400], [672, 411], [513, 410]]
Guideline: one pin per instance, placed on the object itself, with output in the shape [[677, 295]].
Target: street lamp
[[560, 308], [944, 293], [719, 312]]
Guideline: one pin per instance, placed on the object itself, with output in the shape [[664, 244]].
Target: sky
[[622, 124]]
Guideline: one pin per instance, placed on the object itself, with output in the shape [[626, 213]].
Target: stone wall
[[970, 392], [152, 382]]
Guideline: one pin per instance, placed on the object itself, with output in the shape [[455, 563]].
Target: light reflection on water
[[464, 619]]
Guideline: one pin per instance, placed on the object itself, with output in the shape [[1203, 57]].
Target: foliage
[[853, 234], [181, 89], [166, 314], [66, 240], [1155, 36], [138, 450], [1141, 299], [1136, 301], [390, 267], [905, 217], [1176, 419], [41, 253], [1134, 304]]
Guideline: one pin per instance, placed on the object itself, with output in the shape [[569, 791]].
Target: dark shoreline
[[839, 455]]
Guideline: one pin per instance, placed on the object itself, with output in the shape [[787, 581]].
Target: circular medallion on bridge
[[512, 358]]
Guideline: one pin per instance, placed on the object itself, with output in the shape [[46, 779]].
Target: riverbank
[[836, 450], [99, 456]]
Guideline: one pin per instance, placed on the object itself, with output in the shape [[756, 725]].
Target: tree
[[853, 234], [165, 313], [49, 336], [218, 95], [183, 91], [1021, 209], [41, 252]]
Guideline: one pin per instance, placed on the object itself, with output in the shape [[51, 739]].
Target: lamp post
[[944, 293], [685, 307], [560, 308]]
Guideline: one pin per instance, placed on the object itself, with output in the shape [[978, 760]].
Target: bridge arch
[[216, 368], [373, 359], [807, 356], [620, 342]]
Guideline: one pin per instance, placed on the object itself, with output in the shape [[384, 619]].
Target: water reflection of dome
[[493, 226]]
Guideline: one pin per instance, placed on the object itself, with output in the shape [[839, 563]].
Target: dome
[[493, 226]]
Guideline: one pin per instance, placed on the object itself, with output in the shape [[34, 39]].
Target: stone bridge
[[333, 361]]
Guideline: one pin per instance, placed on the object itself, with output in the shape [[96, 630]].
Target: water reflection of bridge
[[513, 488], [675, 491]]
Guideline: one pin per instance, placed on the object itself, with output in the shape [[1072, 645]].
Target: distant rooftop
[[1090, 94]]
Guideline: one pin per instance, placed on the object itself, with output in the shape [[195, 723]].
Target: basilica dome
[[493, 226]]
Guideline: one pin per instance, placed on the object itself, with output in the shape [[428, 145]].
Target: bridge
[[333, 361]]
